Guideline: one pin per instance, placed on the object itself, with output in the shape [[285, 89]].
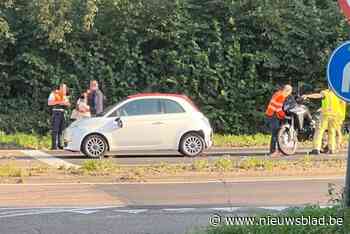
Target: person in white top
[[82, 108]]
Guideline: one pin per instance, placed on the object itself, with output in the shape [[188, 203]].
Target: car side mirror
[[119, 122]]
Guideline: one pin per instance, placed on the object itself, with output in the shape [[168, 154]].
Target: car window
[[105, 111], [140, 107], [172, 107]]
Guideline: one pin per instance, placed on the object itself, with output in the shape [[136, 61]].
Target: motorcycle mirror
[[299, 88]]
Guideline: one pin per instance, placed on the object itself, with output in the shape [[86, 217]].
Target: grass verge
[[224, 167], [22, 140], [11, 170], [241, 140]]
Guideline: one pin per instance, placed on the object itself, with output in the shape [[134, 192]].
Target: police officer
[[59, 101], [330, 109]]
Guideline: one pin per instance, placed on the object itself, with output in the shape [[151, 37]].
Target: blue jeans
[[274, 125]]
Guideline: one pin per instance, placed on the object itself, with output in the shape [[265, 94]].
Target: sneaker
[[325, 150], [315, 152]]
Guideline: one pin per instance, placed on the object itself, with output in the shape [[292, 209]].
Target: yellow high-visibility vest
[[332, 105]]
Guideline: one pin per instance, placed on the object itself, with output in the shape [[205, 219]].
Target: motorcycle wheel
[[287, 140]]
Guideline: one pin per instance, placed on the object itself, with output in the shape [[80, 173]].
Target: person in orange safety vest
[[59, 101], [275, 115]]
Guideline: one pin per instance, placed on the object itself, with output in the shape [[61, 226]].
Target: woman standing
[[82, 108]]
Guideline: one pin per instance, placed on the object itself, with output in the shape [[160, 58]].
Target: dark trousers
[[274, 125], [57, 128]]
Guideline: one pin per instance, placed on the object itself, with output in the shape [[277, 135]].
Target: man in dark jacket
[[95, 98]]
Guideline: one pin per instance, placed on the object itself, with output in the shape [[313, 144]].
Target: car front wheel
[[192, 144], [94, 146]]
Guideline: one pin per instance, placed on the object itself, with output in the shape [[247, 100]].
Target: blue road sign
[[338, 71]]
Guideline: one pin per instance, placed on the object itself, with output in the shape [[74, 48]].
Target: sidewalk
[[55, 195]]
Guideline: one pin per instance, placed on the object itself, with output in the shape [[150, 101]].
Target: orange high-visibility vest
[[56, 97], [59, 97], [275, 105]]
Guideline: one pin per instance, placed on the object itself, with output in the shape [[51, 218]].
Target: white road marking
[[136, 211], [84, 211], [226, 209], [48, 159], [180, 210], [278, 208], [51, 211], [16, 212]]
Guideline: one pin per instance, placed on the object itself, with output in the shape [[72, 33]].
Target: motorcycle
[[299, 125]]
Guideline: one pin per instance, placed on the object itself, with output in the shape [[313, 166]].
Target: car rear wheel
[[94, 146], [192, 144]]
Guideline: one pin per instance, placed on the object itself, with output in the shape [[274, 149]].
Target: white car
[[143, 122]]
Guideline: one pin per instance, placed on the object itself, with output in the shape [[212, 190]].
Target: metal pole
[[347, 181]]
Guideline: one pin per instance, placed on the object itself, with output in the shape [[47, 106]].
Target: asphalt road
[[111, 221], [244, 192], [147, 208]]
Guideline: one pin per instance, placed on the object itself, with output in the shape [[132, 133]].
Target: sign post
[[338, 75]]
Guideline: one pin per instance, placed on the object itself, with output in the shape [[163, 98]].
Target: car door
[[141, 126], [175, 120]]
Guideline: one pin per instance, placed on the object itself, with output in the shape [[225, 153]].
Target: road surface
[[156, 157], [147, 208]]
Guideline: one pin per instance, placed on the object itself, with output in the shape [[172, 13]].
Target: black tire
[[94, 146], [287, 144], [191, 144]]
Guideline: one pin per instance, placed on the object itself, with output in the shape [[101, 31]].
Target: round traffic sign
[[338, 71], [345, 8]]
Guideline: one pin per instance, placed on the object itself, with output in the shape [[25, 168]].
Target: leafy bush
[[228, 56]]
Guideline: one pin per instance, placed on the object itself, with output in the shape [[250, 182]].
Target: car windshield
[[105, 111], [109, 108]]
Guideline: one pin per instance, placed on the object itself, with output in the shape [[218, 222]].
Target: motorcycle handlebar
[[301, 100]]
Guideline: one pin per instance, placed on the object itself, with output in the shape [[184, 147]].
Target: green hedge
[[228, 56]]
